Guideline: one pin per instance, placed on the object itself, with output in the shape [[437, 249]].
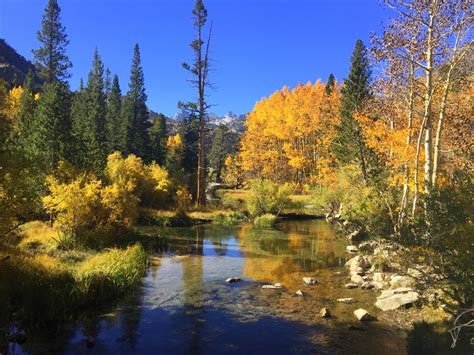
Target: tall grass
[[265, 221]]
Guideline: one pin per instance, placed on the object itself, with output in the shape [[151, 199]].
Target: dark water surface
[[184, 305]]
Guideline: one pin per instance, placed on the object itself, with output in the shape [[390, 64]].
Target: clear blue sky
[[258, 45]]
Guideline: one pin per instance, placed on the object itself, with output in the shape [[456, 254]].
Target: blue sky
[[257, 46]]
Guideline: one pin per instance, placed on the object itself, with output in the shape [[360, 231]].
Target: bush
[[228, 220], [268, 197], [265, 221]]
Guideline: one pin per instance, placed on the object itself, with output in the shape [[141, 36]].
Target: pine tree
[[350, 146], [189, 132], [158, 138], [114, 107], [26, 115], [51, 58], [107, 84], [330, 84], [220, 149], [50, 136], [135, 122]]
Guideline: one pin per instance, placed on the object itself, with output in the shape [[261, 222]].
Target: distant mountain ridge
[[13, 66], [229, 119]]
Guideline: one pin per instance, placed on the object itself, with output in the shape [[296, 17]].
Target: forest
[[385, 156]]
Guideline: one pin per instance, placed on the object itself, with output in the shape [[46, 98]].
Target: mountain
[[235, 122], [13, 66]]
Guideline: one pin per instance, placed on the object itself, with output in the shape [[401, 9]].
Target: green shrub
[[229, 220], [265, 221], [268, 197]]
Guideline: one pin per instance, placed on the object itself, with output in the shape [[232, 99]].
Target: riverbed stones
[[346, 300], [362, 315], [325, 313], [232, 279], [397, 281], [358, 264], [357, 279], [299, 293], [351, 285], [308, 281], [390, 300], [367, 285], [352, 249], [272, 287]]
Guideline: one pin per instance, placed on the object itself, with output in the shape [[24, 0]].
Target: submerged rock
[[232, 279], [309, 281], [390, 300], [362, 315], [272, 287], [299, 293], [367, 285], [325, 313], [351, 285], [345, 300]]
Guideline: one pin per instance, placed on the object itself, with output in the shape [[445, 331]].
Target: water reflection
[[184, 305]]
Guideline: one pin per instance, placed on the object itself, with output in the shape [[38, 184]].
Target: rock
[[355, 327], [357, 262], [232, 279], [355, 235], [390, 300], [309, 281], [362, 315], [351, 249], [299, 293], [272, 287], [90, 341], [338, 273], [379, 276], [351, 285], [325, 313], [345, 300], [367, 285], [357, 279], [397, 281], [360, 271]]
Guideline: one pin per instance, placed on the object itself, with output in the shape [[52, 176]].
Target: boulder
[[362, 315], [355, 235], [351, 249], [357, 279], [367, 285], [299, 293], [357, 262], [232, 280], [309, 281], [325, 313], [345, 300], [390, 300], [397, 281], [351, 285]]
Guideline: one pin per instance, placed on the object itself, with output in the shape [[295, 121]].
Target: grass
[[39, 282], [265, 221]]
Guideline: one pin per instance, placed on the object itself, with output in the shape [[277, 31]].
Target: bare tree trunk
[[417, 167]]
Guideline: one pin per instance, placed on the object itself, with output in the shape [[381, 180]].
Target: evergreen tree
[[114, 107], [220, 149], [330, 84], [50, 135], [107, 84], [158, 139], [89, 122], [189, 132], [350, 146], [51, 58], [135, 122], [26, 115]]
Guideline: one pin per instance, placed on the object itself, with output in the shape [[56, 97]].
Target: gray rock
[[309, 281], [232, 279], [390, 300], [299, 293], [357, 279], [362, 315], [325, 313], [367, 285], [351, 285], [351, 249], [357, 262], [397, 281], [345, 300], [272, 287], [355, 235]]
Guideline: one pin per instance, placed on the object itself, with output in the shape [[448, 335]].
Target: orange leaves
[[290, 133]]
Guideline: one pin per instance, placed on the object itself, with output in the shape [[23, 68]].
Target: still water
[[184, 305]]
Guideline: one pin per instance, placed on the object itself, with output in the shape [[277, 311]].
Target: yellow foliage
[[13, 102], [289, 135], [174, 142]]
